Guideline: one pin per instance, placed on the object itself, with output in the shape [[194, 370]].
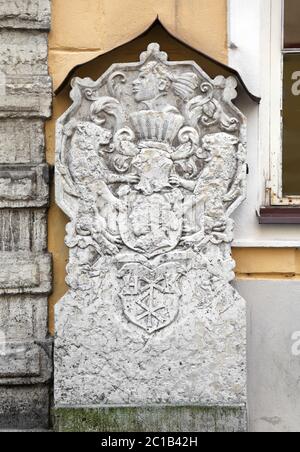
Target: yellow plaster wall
[[267, 263], [85, 29]]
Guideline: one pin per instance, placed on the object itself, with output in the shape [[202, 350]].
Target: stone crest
[[150, 165], [151, 162]]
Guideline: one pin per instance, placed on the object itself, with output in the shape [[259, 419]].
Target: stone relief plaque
[[151, 163]]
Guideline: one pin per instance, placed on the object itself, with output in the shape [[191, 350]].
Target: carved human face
[[148, 86]]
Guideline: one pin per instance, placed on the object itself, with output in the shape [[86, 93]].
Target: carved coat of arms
[[151, 164]]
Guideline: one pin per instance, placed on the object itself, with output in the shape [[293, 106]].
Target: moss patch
[[151, 419]]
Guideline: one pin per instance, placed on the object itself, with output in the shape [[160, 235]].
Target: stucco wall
[[84, 29], [81, 29], [273, 354]]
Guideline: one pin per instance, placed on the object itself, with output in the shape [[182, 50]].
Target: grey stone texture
[[22, 141], [30, 314], [22, 186], [25, 265], [23, 53], [25, 360], [23, 230], [29, 14], [26, 97], [150, 166], [24, 407], [25, 272]]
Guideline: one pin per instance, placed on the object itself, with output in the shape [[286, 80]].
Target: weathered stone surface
[[198, 360], [19, 360], [22, 141], [30, 14], [23, 230], [150, 165], [26, 97], [24, 186], [23, 318], [23, 53], [152, 419], [25, 349], [25, 273], [24, 407], [25, 266], [23, 363]]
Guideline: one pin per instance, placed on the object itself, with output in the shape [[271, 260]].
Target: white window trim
[[255, 50], [273, 90]]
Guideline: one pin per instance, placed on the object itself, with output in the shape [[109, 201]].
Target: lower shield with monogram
[[150, 297]]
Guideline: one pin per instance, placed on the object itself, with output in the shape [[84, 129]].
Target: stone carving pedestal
[[151, 335]]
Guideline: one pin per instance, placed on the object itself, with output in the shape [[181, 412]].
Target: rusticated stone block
[[22, 141], [24, 407], [25, 363], [23, 53], [25, 273], [23, 230], [22, 186], [30, 14], [19, 360], [25, 349], [23, 318], [26, 97]]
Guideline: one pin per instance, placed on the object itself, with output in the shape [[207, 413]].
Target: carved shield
[[151, 158], [150, 297], [152, 224]]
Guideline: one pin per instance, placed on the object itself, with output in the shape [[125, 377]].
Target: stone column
[[25, 265], [151, 162]]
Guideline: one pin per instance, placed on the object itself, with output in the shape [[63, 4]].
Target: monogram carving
[[151, 163]]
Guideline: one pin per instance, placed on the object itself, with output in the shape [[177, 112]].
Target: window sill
[[279, 215]]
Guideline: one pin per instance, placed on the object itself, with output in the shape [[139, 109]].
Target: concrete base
[[152, 419], [24, 407]]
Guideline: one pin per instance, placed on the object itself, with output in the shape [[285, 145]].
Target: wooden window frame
[[277, 52]]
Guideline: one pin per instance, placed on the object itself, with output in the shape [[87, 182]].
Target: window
[[285, 128], [291, 99]]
